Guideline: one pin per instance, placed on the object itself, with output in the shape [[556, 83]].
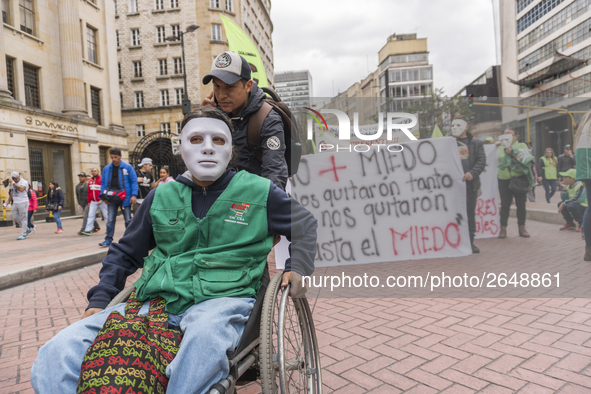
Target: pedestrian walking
[[33, 206], [165, 176], [548, 172], [515, 178], [82, 198], [20, 201], [119, 189], [473, 162], [55, 203], [95, 203]]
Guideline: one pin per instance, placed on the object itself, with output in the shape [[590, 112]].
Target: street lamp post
[[186, 104]]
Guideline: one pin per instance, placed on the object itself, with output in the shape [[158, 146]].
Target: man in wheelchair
[[210, 233]]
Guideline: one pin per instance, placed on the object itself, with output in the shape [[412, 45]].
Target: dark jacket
[[273, 166], [284, 217], [565, 163], [477, 159], [82, 194], [56, 195]]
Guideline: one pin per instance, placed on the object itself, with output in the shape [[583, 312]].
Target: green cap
[[570, 173], [488, 139]]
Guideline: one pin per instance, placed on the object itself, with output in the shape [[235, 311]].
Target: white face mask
[[506, 140], [206, 148], [457, 127]]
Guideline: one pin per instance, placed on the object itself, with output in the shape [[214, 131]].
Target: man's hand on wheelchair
[[91, 311], [297, 288]]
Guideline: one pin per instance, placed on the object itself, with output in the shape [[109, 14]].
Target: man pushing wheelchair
[[210, 232]]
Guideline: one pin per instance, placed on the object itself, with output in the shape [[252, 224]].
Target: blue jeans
[[211, 329], [574, 212], [56, 217], [92, 214], [113, 218], [587, 217], [29, 216], [550, 187]]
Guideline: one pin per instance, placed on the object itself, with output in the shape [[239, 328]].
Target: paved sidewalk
[[446, 345], [45, 251]]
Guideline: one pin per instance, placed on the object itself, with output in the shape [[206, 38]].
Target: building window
[[174, 30], [162, 67], [27, 15], [10, 74], [95, 103], [117, 36], [135, 37], [174, 3], [119, 70], [178, 128], [216, 32], [5, 11], [139, 99], [159, 4], [179, 93], [31, 76], [121, 99], [178, 65], [165, 128], [229, 5], [115, 4], [164, 97], [91, 44], [536, 13], [137, 69], [132, 6], [140, 130], [160, 34], [214, 3]]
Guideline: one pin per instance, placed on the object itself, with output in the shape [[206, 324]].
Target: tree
[[432, 110]]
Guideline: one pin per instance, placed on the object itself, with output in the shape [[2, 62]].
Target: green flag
[[436, 132], [240, 43]]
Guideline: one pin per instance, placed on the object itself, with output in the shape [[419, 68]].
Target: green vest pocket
[[222, 282]]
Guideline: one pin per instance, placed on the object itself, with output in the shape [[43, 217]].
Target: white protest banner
[[487, 206], [386, 205]]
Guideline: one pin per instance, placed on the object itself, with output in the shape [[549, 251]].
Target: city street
[[425, 345]]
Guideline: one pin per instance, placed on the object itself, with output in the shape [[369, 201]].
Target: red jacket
[[33, 201], [94, 189]]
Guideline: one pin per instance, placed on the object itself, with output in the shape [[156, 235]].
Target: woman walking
[[547, 173], [33, 205], [56, 197]]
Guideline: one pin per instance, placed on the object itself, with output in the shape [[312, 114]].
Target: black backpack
[[293, 151]]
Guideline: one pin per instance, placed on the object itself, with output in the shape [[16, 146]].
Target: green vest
[[550, 171], [222, 255], [507, 173], [572, 191]]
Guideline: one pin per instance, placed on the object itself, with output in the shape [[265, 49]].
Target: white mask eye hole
[[219, 141], [196, 139]]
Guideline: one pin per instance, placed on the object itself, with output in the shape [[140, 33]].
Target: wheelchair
[[278, 346]]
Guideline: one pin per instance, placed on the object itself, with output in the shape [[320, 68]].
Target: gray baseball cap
[[230, 67]]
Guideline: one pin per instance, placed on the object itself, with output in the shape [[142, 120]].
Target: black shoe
[[475, 249]]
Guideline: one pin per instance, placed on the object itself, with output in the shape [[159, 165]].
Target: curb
[[19, 277], [540, 215]]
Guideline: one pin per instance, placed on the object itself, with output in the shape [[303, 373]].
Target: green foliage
[[430, 109]]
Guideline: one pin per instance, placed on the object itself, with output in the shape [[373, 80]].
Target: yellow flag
[[240, 43], [436, 132]]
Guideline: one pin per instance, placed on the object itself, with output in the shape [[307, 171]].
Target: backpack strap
[[255, 126]]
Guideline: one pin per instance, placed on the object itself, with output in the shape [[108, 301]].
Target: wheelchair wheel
[[289, 356]]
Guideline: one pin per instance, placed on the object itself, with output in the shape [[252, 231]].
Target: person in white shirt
[[20, 204]]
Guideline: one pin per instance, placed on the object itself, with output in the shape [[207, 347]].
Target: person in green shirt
[[515, 160], [547, 172]]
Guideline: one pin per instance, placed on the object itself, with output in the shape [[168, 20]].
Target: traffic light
[[471, 100]]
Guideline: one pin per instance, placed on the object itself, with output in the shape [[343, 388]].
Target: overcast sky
[[339, 40]]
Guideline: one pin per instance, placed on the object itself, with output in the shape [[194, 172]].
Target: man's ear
[[249, 86]]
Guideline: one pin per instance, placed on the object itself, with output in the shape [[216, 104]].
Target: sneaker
[[59, 231], [96, 230], [34, 229], [568, 227], [79, 232], [579, 230], [21, 237], [105, 243], [85, 233], [29, 231], [475, 249]]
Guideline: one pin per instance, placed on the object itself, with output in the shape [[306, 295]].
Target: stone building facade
[[149, 60], [59, 102]]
